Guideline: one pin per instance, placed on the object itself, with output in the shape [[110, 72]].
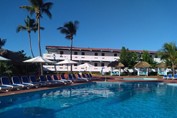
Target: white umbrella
[[67, 62], [40, 60], [86, 66], [3, 59]]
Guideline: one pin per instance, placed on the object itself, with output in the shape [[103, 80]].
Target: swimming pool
[[140, 79], [95, 100]]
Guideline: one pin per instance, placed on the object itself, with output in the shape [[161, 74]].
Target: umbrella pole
[[119, 71], [68, 69], [55, 68], [41, 68]]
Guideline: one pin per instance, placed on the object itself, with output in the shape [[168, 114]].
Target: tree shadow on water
[[29, 112]]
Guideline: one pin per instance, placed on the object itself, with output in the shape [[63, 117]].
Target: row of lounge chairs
[[27, 82], [170, 76]]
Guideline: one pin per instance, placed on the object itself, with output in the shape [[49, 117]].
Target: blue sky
[[135, 24]]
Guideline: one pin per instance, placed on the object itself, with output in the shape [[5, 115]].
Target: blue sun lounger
[[43, 81], [17, 81], [77, 79], [164, 76], [6, 81], [54, 82], [82, 78], [175, 76], [86, 75], [26, 80], [34, 80], [59, 80], [4, 88], [169, 76], [68, 81]]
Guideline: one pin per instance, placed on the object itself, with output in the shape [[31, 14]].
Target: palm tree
[[69, 29], [2, 42], [169, 54], [30, 25], [38, 7]]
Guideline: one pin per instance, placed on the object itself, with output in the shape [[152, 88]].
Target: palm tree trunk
[[71, 54], [173, 66], [30, 44], [39, 43], [39, 37]]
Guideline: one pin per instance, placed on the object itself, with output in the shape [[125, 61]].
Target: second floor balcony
[[80, 57]]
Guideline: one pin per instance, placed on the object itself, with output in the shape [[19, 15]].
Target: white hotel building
[[98, 57]]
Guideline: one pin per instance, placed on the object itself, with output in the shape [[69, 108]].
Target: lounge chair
[[6, 81], [76, 78], [175, 76], [164, 76], [85, 75], [55, 82], [26, 80], [17, 81], [63, 78], [43, 81], [169, 76], [82, 78], [94, 78], [4, 88], [34, 80]]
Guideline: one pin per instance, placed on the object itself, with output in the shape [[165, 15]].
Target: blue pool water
[[95, 100]]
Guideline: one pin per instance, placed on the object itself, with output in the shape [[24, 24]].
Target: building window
[[95, 64], [75, 64], [75, 53], [61, 52], [102, 54], [83, 53], [96, 54], [102, 64], [115, 55]]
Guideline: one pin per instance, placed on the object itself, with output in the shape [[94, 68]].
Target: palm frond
[[2, 42], [69, 29], [46, 7], [20, 28], [36, 3], [63, 30], [30, 9], [47, 12]]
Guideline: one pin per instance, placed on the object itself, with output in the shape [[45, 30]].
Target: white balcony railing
[[75, 68], [80, 57]]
